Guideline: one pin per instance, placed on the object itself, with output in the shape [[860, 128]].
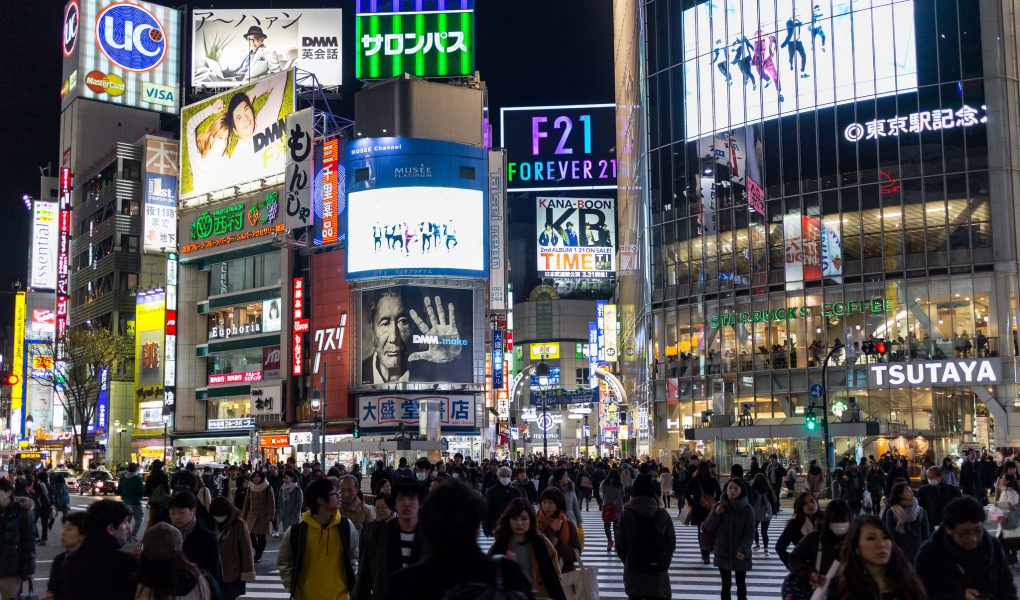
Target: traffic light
[[10, 379], [357, 430], [810, 420]]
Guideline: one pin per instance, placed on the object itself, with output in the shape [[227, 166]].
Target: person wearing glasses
[[962, 560], [317, 553]]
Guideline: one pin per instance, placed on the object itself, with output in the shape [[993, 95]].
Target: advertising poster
[[254, 216], [379, 412], [811, 250], [417, 334], [329, 194], [559, 147], [832, 250], [149, 338], [121, 52], [160, 195], [434, 39], [45, 223], [329, 343], [233, 47], [576, 237], [752, 61], [237, 136]]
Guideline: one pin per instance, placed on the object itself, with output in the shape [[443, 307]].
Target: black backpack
[[652, 554]]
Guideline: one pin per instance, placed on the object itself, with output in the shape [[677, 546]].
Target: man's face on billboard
[[392, 328], [244, 120], [255, 42]]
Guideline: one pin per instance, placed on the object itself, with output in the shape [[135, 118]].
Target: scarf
[[545, 522], [260, 487], [187, 529], [905, 516]]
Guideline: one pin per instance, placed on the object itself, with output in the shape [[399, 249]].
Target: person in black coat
[[703, 489], [804, 521], [970, 477], [497, 497], [201, 546], [962, 560], [99, 564], [935, 495]]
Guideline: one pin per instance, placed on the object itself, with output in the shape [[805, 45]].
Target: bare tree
[[76, 380]]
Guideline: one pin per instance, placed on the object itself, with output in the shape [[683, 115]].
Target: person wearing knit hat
[[164, 572]]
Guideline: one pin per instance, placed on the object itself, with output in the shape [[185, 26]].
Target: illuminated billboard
[[160, 195], [149, 338], [238, 220], [750, 61], [559, 147], [576, 237], [45, 222], [329, 335], [416, 334], [232, 47], [416, 207], [329, 192], [435, 39], [121, 52], [237, 136]]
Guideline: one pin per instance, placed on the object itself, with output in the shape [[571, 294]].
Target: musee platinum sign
[[980, 371]]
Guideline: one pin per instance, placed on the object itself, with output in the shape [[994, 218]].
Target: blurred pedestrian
[[234, 543], [164, 571]]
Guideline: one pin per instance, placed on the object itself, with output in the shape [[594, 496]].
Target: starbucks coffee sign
[[787, 313], [979, 371]]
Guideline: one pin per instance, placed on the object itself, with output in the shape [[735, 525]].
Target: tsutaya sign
[[980, 371], [833, 309]]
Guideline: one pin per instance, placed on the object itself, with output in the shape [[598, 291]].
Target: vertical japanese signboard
[[63, 259], [170, 337], [300, 326], [160, 195], [436, 39], [497, 231], [609, 338], [18, 360], [331, 184], [497, 359], [298, 179]]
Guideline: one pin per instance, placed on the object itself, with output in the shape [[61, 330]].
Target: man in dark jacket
[[200, 543], [935, 494], [970, 477], [17, 540], [497, 497], [962, 560], [641, 520], [131, 488], [99, 564], [388, 546]]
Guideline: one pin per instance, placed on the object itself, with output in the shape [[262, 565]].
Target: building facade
[[819, 178]]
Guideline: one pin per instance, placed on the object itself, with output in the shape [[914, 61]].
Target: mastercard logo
[[100, 82]]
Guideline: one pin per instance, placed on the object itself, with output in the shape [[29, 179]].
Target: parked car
[[97, 482]]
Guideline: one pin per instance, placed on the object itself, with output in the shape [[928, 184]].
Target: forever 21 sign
[[981, 371]]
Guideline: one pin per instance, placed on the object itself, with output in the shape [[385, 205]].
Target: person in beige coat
[[258, 513], [235, 548]]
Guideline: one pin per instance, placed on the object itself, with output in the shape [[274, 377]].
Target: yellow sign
[[152, 452], [18, 362], [150, 318], [543, 350], [42, 362]]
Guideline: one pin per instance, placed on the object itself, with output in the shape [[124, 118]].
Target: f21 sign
[[553, 148]]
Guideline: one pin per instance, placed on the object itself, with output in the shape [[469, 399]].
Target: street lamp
[[542, 372], [316, 405]]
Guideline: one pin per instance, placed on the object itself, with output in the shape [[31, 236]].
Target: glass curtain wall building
[[823, 173]]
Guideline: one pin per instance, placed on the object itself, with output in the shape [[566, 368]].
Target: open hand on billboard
[[440, 327]]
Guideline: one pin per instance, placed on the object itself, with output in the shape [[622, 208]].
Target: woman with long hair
[[702, 493], [813, 556], [907, 520], [805, 516], [552, 522], [612, 504], [518, 538], [873, 566], [733, 522], [163, 571], [764, 499], [950, 472]]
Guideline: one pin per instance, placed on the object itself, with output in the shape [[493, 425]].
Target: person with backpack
[[763, 501], [157, 486], [702, 492], [731, 522], [645, 542], [40, 494], [612, 505]]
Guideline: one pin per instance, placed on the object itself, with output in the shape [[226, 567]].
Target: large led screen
[[415, 231], [416, 334], [237, 136], [746, 61], [576, 237], [432, 38]]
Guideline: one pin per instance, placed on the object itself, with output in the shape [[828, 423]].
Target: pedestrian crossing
[[690, 578]]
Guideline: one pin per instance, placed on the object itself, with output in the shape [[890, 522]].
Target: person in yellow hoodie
[[317, 553]]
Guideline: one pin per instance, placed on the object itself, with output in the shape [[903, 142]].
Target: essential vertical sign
[[45, 222], [436, 39], [63, 259], [170, 337], [300, 325]]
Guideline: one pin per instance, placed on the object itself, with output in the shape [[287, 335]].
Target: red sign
[[301, 326], [274, 441], [298, 355], [246, 377], [329, 339], [171, 322], [270, 358], [298, 293], [63, 259], [330, 190]]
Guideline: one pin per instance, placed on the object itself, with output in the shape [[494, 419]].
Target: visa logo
[[155, 93]]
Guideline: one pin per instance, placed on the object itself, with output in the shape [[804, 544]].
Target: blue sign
[[131, 37], [554, 378], [593, 359], [497, 359], [600, 322], [101, 422], [562, 396], [817, 391]]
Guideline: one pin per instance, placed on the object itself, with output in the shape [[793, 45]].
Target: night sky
[[529, 52]]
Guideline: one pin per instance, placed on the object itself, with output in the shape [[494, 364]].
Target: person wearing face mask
[[962, 561], [872, 566], [935, 494], [236, 558], [907, 520], [813, 556], [732, 521], [497, 497], [805, 515], [422, 468]]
